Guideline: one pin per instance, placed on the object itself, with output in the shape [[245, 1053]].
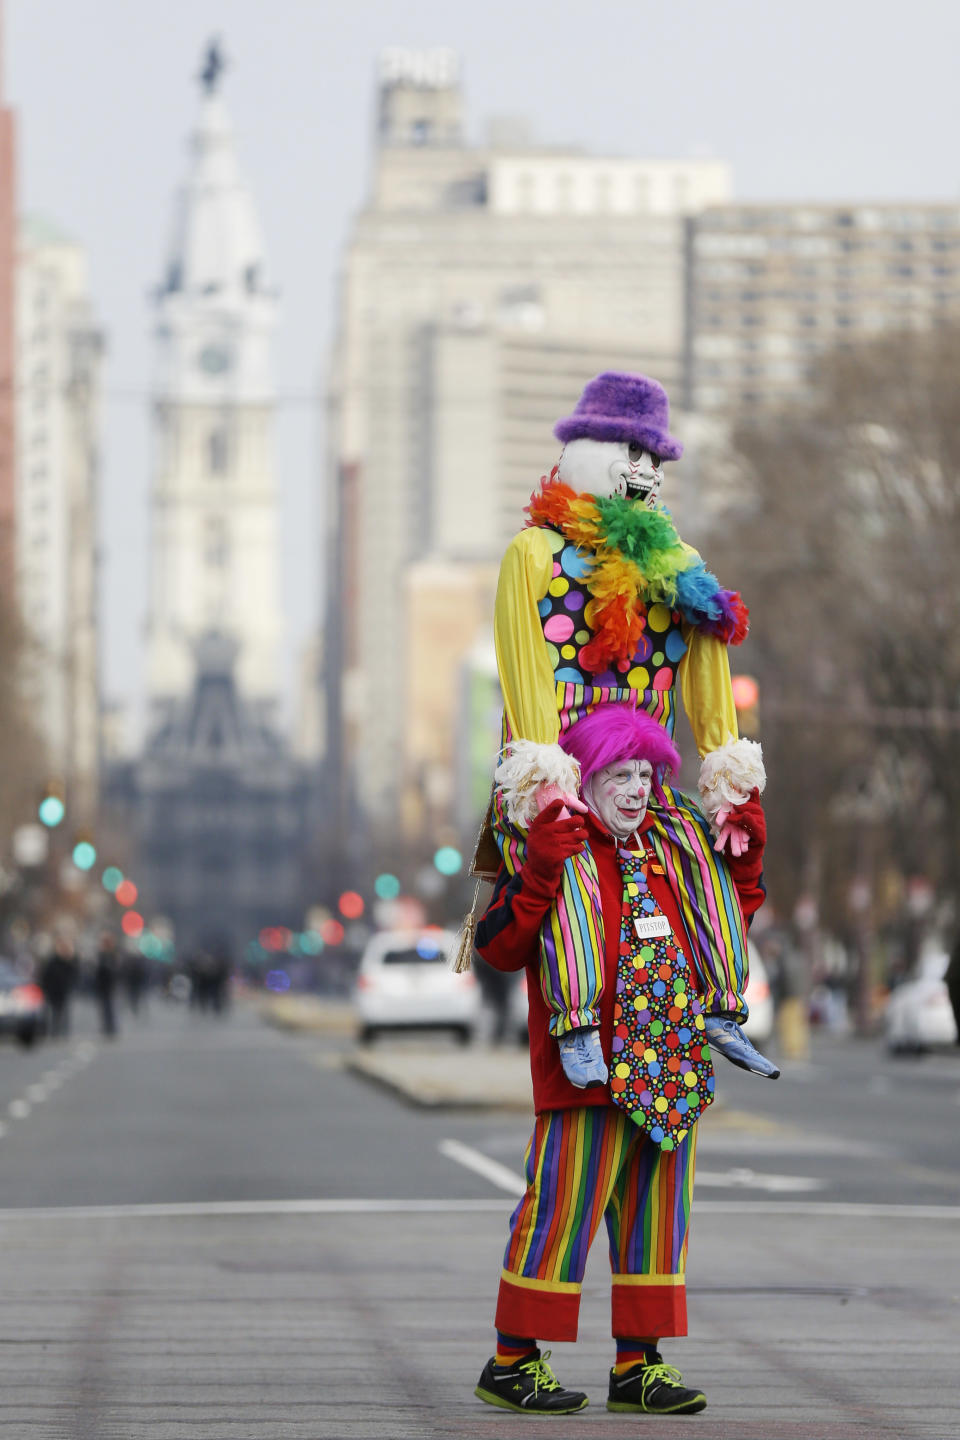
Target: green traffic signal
[[51, 810], [448, 860], [84, 855]]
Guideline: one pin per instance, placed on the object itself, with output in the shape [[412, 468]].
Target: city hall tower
[[214, 522]]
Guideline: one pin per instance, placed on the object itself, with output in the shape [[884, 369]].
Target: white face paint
[[618, 795], [611, 467]]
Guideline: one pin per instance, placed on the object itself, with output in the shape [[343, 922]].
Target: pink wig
[[618, 732]]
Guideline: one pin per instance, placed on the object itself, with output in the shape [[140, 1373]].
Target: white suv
[[405, 983]]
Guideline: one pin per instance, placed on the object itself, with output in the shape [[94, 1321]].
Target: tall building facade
[[8, 255], [220, 802], [214, 521], [481, 288], [773, 287], [58, 359]]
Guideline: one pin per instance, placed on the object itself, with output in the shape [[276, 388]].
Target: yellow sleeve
[[526, 677], [704, 676]]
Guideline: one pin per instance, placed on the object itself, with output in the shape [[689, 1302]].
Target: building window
[[217, 451], [216, 543], [601, 190], [564, 192]]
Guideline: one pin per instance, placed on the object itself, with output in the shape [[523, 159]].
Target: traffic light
[[51, 808], [746, 697], [84, 854], [126, 893], [448, 860], [351, 905], [132, 923]]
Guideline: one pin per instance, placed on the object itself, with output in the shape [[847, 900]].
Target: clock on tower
[[215, 359]]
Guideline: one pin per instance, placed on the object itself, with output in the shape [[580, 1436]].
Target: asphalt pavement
[[217, 1228]]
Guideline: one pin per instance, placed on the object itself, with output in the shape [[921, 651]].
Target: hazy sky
[[829, 99]]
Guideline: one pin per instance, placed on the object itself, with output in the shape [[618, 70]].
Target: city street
[[214, 1229]]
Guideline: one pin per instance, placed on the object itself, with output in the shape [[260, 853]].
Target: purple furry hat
[[618, 732], [615, 406]]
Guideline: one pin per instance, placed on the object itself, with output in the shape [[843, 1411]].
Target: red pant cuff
[[544, 1314], [649, 1309]]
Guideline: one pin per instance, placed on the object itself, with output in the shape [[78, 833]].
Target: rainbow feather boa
[[636, 560]]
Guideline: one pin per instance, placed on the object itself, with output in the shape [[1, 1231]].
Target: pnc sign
[[428, 69]]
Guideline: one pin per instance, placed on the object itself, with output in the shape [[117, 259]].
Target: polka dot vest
[[660, 1067], [661, 647]]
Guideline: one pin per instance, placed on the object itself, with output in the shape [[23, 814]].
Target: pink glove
[[548, 793], [738, 837]]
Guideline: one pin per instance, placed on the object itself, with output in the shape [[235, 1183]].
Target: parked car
[[23, 1008], [919, 1013], [759, 997], [404, 982]]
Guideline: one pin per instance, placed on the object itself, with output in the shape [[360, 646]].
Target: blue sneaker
[[582, 1058], [726, 1037]]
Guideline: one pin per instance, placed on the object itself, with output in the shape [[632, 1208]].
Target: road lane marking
[[742, 1178], [227, 1209], [49, 1081], [737, 1178], [499, 1175]]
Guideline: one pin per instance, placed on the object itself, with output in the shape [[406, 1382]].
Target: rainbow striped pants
[[583, 1165]]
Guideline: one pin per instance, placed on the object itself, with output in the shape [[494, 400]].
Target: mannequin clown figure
[[625, 1153], [600, 602]]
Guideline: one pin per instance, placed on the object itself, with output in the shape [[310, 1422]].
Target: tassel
[[463, 950]]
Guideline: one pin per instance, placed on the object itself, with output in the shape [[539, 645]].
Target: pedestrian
[[58, 979], [623, 1152], [105, 978], [134, 976], [952, 979]]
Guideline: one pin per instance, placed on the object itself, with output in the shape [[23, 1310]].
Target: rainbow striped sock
[[511, 1349], [632, 1352]]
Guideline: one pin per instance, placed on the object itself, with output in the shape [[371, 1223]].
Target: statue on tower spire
[[213, 66]]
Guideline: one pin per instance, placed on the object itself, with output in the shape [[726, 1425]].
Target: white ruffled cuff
[[729, 773], [524, 767]]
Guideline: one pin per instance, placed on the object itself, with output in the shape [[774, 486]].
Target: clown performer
[[624, 1153], [599, 602]]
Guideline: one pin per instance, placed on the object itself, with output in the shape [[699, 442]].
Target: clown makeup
[[646, 475], [618, 795], [612, 467]]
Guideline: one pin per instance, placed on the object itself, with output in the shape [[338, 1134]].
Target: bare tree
[[846, 542]]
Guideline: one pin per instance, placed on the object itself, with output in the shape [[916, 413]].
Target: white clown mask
[[619, 794], [612, 467]]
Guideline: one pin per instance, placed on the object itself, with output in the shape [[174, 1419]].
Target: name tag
[[649, 927]]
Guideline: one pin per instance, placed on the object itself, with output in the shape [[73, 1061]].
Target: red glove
[[551, 841], [746, 870]]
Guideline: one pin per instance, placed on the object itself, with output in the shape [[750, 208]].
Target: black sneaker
[[655, 1389], [528, 1385]]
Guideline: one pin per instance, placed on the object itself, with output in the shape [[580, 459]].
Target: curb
[[409, 1078]]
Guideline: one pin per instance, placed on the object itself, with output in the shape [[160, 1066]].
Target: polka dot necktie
[[660, 1069]]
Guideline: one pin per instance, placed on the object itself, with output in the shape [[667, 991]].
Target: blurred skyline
[[801, 104]]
